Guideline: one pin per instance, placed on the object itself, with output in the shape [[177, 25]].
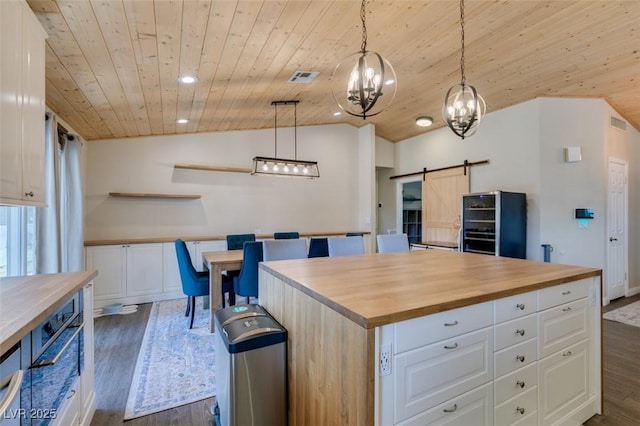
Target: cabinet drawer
[[472, 408], [514, 357], [433, 374], [560, 294], [422, 331], [516, 306], [69, 411], [521, 410], [562, 326], [564, 382], [515, 331], [515, 383]]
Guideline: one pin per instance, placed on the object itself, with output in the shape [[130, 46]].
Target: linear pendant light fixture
[[366, 76], [463, 107], [274, 166]]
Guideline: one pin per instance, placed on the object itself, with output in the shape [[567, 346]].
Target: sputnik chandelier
[[463, 107], [369, 76]]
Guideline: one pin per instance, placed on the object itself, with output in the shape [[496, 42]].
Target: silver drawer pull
[[452, 409], [520, 306], [567, 353], [450, 324], [520, 358], [565, 293], [567, 309], [455, 345], [520, 410], [71, 394], [520, 331], [520, 383]]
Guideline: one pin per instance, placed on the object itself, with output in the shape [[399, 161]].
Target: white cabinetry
[[128, 273], [22, 90], [567, 353], [529, 359], [142, 273], [87, 376], [515, 357]]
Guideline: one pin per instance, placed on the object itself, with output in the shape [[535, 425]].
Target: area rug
[[628, 314], [175, 364]]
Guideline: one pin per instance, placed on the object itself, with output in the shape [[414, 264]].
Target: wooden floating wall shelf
[[212, 168], [147, 195]]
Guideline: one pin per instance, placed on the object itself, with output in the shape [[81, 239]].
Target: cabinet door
[[33, 90], [144, 269], [87, 390], [564, 382], [171, 281], [562, 326], [110, 261], [433, 374], [11, 100]]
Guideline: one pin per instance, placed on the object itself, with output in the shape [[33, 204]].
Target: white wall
[[231, 202], [507, 138], [525, 146], [566, 186]]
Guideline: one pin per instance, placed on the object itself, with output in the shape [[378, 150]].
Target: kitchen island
[[428, 336]]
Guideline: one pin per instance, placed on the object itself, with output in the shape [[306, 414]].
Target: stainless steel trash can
[[251, 368]]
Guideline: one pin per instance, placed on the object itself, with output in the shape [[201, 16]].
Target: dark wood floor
[[621, 371], [118, 339], [117, 343]]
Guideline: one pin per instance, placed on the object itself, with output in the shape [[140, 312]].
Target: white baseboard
[[633, 291]]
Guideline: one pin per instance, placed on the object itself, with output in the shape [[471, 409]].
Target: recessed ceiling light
[[182, 121], [187, 79], [424, 121]]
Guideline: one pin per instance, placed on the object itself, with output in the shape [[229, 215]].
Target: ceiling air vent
[[620, 124], [303, 76]]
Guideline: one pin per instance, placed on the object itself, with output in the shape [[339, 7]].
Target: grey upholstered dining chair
[[345, 246], [284, 249], [388, 243]]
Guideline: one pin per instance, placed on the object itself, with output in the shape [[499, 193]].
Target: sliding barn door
[[441, 194]]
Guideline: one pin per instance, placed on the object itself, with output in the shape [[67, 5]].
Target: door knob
[[613, 239]]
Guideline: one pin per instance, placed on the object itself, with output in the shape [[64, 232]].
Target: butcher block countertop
[[26, 301], [377, 289]]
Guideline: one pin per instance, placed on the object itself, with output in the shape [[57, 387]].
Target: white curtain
[[59, 227]]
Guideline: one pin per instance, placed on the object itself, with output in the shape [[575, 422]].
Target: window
[[17, 240]]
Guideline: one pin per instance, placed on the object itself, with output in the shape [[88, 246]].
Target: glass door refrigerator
[[494, 223]]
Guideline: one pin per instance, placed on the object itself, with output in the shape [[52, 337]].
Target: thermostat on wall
[[584, 214]]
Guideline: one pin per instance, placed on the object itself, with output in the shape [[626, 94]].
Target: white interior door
[[616, 267]]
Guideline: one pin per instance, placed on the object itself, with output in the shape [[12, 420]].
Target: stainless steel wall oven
[[56, 362]]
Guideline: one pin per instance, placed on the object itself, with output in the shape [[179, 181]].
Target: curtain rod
[[425, 171]]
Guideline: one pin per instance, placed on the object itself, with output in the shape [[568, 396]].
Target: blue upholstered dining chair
[[195, 283], [389, 243], [246, 284], [236, 241], [286, 235], [318, 247], [284, 249], [345, 246]]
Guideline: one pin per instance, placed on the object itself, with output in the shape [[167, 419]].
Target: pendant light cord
[[462, 42], [363, 46], [275, 129], [295, 131]]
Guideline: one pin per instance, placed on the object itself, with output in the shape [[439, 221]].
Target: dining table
[[217, 262]]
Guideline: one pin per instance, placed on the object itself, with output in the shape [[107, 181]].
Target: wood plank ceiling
[[112, 65]]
